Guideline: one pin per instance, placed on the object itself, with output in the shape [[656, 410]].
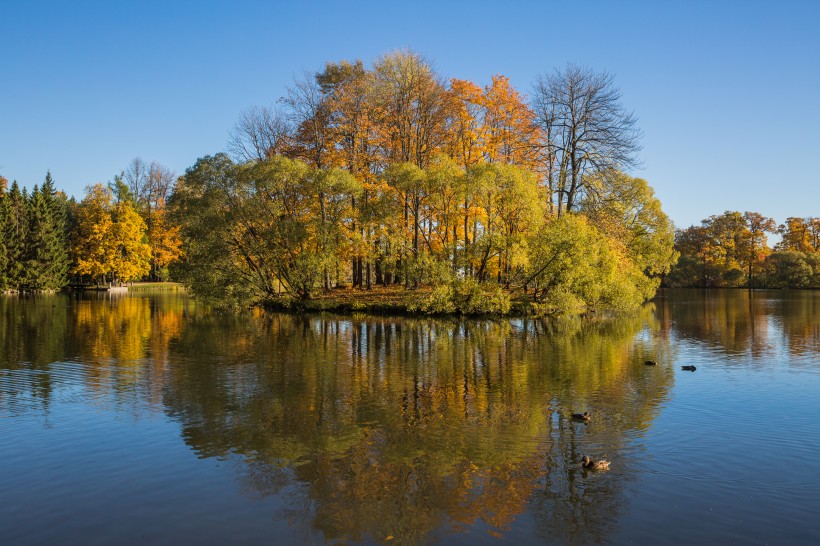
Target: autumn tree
[[446, 185], [349, 91], [464, 136], [163, 237], [509, 130], [728, 245], [814, 233], [693, 268], [92, 246], [108, 243], [758, 226], [148, 187], [131, 255], [800, 234], [164, 241], [465, 143], [725, 250], [411, 101]]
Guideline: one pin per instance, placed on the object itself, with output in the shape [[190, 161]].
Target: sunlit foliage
[[732, 250], [390, 175], [109, 239]]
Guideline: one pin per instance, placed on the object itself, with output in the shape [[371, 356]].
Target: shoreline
[[393, 301]]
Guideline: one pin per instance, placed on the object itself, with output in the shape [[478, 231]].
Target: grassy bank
[[392, 300], [156, 287], [379, 300]]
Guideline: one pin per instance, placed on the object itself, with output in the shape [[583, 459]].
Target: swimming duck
[[582, 416], [589, 464], [688, 368], [650, 363]]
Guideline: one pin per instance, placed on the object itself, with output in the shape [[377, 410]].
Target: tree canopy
[[732, 250], [390, 175]]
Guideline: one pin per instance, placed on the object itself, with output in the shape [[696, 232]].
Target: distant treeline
[[117, 233], [731, 250]]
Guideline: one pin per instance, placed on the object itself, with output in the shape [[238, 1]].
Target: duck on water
[[589, 464]]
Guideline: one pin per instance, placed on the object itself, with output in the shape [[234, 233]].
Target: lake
[[148, 419]]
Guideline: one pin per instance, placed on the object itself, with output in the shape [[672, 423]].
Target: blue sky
[[726, 92]]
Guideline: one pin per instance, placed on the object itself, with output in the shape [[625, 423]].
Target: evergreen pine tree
[[35, 216], [14, 234], [48, 259], [3, 253]]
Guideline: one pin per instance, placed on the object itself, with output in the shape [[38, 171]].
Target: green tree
[[248, 230], [15, 234], [47, 261], [626, 209], [121, 190], [789, 269], [3, 246], [218, 266], [411, 184], [573, 267]]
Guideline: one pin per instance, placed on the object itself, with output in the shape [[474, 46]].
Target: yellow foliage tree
[[132, 255], [109, 241], [92, 249], [164, 239], [509, 125]]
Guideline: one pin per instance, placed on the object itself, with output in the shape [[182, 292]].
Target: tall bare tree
[[586, 130], [259, 133], [309, 112], [136, 177]]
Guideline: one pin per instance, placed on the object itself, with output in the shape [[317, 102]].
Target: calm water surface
[[147, 419]]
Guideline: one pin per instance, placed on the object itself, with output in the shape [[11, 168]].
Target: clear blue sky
[[726, 92]]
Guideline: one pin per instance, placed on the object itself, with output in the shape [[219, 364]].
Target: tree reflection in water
[[413, 429], [370, 428], [376, 428], [740, 322]]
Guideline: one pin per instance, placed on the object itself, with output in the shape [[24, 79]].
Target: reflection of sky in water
[[149, 419]]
